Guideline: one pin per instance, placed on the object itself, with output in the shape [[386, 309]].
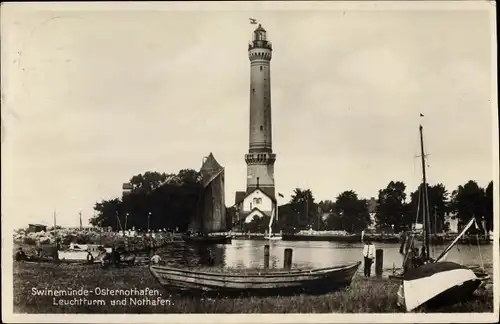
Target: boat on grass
[[433, 283], [254, 282]]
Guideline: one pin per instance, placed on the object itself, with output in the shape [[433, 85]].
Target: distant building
[[372, 209], [254, 203], [452, 222], [33, 228]]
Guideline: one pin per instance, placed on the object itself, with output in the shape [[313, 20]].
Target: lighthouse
[[259, 198], [260, 158]]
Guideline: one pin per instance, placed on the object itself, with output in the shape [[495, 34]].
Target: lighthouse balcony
[[260, 44], [260, 158]]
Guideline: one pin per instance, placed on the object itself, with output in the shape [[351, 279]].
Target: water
[[250, 254]]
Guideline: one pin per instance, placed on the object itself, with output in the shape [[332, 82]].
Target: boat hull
[[207, 239], [273, 238], [355, 238], [265, 283], [454, 295], [444, 283]]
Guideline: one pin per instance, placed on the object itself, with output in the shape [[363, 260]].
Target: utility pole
[[319, 217], [100, 231], [81, 226]]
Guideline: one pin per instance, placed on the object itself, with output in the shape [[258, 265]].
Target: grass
[[363, 296]]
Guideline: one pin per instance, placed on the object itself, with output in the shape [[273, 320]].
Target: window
[[261, 67], [257, 201], [261, 127]]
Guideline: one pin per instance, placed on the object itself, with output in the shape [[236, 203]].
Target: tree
[[352, 212], [468, 201], [189, 176], [148, 181], [438, 207], [157, 200], [304, 208], [326, 206], [488, 206], [107, 210], [287, 219], [390, 210], [257, 224]]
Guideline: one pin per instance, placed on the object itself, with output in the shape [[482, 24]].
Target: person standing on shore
[[369, 255], [20, 255], [90, 258]]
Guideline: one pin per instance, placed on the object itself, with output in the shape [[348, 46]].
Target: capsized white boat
[[437, 284]]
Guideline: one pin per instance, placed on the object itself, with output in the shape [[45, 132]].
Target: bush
[[29, 240]]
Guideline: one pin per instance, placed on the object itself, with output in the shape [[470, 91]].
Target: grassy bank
[[374, 295]]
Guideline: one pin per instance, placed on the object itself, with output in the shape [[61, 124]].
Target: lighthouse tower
[[260, 158], [259, 198]]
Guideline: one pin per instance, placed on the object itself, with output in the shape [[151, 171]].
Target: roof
[[260, 28], [244, 215], [268, 191], [241, 195], [210, 170], [38, 225]]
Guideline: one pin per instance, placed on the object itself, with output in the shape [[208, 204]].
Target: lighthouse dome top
[[259, 34], [259, 39]]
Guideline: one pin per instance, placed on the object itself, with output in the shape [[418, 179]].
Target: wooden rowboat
[[257, 282]]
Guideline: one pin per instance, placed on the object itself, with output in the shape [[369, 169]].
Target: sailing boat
[[270, 235], [211, 213], [436, 282]]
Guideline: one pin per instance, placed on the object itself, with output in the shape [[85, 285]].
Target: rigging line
[[433, 247], [418, 207], [480, 254]]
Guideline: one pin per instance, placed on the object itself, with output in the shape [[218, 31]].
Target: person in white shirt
[[369, 255], [155, 259]]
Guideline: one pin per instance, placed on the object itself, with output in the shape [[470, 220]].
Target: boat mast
[[307, 205], [271, 223], [425, 211]]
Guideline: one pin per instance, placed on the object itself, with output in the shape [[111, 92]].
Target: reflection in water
[[250, 254]]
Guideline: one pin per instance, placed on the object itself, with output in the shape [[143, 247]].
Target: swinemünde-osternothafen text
[[95, 292]]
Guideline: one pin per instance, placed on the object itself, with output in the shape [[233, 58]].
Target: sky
[[91, 97]]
